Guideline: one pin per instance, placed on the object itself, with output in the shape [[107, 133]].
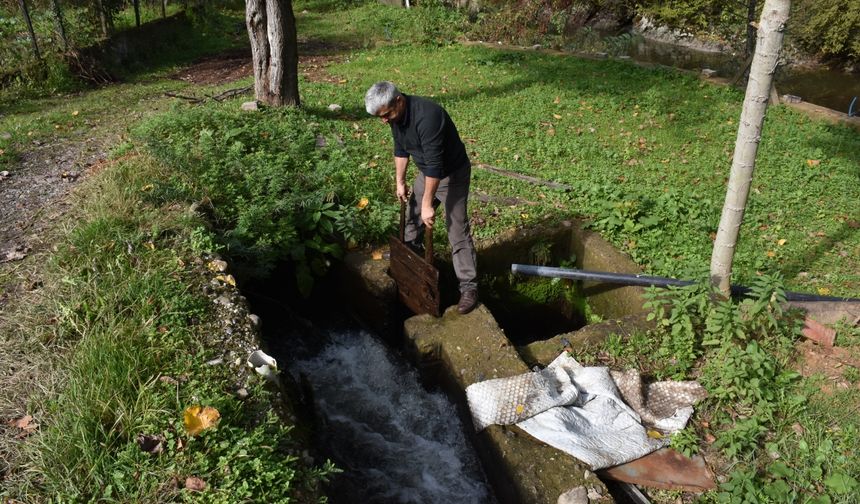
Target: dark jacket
[[429, 136]]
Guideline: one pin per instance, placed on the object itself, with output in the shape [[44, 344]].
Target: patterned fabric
[[656, 401], [595, 415]]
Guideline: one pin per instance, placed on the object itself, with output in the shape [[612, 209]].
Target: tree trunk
[[61, 27], [136, 4], [751, 31], [770, 34], [103, 17], [27, 20], [272, 30], [163, 8]]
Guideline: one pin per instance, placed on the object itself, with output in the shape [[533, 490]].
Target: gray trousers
[[453, 192]]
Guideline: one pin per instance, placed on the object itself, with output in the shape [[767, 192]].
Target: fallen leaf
[[550, 132], [24, 422], [26, 425], [781, 242], [556, 116], [147, 188], [195, 484], [520, 409], [227, 279], [655, 434], [149, 245], [557, 100], [376, 255], [709, 438], [363, 202], [823, 291], [813, 162], [771, 253], [76, 112], [196, 419]]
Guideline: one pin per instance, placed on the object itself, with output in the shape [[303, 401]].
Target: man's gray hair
[[381, 94]]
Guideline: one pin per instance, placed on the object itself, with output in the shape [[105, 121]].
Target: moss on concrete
[[543, 352]]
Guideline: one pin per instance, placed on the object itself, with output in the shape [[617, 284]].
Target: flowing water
[[396, 442]]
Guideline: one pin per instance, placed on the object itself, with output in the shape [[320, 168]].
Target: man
[[423, 131]]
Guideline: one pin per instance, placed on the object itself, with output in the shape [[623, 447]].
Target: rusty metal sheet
[[664, 468], [417, 280]]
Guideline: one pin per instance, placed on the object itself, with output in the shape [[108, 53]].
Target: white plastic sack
[[579, 410]]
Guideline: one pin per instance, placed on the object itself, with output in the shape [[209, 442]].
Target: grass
[[125, 327], [646, 151]]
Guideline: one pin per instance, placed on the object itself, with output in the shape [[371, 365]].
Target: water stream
[[397, 442], [823, 86]]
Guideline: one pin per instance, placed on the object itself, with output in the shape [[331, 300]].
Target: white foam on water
[[396, 441]]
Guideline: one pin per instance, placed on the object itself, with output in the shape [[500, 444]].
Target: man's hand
[[428, 215], [402, 191]]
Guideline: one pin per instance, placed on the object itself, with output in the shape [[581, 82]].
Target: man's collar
[[405, 122]]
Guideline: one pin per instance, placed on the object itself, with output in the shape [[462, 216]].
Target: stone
[[708, 73], [251, 106], [334, 107], [255, 320], [787, 98], [578, 495], [223, 300]]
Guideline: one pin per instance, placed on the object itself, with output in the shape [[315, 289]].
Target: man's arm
[[428, 213], [401, 189]]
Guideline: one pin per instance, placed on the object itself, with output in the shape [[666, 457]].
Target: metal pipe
[[647, 281]]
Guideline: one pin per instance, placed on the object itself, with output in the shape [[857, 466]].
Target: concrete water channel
[[454, 351]]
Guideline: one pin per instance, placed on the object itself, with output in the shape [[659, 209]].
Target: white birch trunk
[[769, 43], [272, 30]]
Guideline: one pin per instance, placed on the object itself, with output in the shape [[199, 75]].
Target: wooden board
[[417, 280]]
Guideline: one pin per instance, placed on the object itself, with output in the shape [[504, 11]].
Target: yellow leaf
[[556, 116], [771, 253], [196, 419], [376, 255], [823, 291], [363, 202], [76, 112], [520, 409], [147, 188], [781, 241], [813, 162], [227, 279], [654, 434], [149, 245]]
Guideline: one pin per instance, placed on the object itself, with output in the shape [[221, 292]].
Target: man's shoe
[[468, 301]]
